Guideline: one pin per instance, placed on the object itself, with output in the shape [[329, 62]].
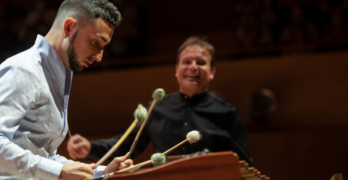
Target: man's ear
[[69, 26], [212, 73]]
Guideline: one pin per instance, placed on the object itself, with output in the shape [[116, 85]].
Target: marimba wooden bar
[[212, 166], [250, 173]]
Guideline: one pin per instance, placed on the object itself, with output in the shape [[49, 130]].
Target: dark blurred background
[[238, 28], [281, 63]]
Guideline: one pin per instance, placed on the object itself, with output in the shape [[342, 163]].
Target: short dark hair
[[88, 10], [195, 40]]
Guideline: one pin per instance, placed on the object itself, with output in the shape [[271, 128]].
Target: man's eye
[[96, 44]]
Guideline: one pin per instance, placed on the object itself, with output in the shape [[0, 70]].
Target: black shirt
[[176, 115]]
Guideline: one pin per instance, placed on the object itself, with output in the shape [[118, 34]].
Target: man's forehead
[[100, 29], [194, 50]]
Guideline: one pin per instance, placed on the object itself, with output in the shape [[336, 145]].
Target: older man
[[192, 108], [34, 93]]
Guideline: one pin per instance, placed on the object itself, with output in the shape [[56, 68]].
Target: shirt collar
[[195, 98], [54, 67]]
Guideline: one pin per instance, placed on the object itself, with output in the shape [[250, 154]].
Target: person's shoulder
[[25, 66], [221, 103], [27, 60]]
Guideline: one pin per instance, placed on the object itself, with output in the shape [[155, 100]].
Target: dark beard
[[72, 56]]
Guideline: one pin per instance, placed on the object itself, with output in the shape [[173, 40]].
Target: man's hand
[[76, 170], [118, 163], [78, 147]]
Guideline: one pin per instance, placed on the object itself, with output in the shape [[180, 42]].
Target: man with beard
[[192, 108], [34, 93]]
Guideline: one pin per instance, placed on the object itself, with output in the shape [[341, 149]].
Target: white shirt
[[34, 94]]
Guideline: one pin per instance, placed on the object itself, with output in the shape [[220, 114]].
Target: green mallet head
[[140, 113], [158, 94], [158, 159]]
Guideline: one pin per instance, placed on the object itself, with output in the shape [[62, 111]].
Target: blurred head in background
[[195, 66]]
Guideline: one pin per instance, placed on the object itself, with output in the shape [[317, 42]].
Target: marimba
[[250, 173], [212, 166]]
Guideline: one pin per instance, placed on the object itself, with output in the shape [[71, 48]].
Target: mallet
[[157, 95], [139, 114], [156, 159], [191, 137]]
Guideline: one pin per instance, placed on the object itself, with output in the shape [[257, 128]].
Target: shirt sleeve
[[238, 134], [61, 159], [99, 171], [19, 88]]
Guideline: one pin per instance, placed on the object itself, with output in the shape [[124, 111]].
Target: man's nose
[[193, 66], [98, 56]]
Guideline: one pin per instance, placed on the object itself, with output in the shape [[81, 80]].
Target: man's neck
[[191, 93], [55, 39]]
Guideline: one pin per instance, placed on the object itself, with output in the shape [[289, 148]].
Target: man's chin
[[80, 69], [190, 86], [77, 69]]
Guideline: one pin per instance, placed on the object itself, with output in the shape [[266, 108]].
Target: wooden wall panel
[[311, 89]]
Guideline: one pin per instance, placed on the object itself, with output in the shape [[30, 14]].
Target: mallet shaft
[[135, 166], [141, 129], [171, 149], [119, 142]]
